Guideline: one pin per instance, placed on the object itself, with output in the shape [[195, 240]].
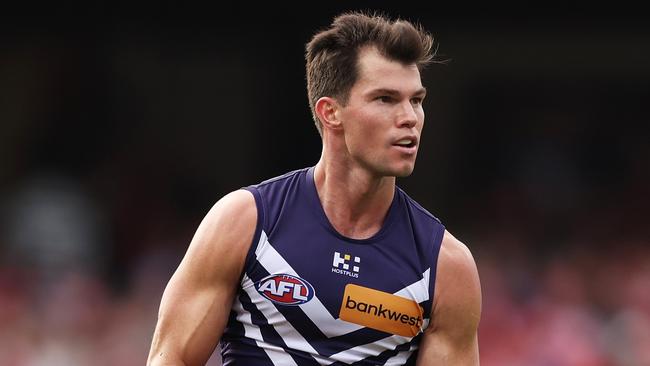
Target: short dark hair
[[332, 54]]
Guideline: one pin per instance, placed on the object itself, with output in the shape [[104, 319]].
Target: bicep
[[451, 338], [196, 302]]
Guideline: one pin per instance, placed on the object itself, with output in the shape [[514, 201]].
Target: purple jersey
[[311, 296]]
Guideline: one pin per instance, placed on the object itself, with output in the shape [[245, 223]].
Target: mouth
[[406, 142], [406, 145]]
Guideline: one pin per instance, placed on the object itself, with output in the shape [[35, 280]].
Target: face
[[383, 118]]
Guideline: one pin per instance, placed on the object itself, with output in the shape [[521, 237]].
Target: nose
[[407, 116]]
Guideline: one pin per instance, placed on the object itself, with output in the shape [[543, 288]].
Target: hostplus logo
[[341, 265]]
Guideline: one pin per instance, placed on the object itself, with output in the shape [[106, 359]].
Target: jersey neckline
[[317, 206]]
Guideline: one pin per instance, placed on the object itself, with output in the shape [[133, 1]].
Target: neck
[[355, 202]]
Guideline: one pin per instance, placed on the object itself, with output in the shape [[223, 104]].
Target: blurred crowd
[[581, 307]]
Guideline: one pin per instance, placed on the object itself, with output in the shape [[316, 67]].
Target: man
[[332, 264]]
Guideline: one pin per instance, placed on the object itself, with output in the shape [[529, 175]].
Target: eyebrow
[[392, 92]]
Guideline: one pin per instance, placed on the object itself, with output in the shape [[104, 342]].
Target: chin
[[398, 169], [403, 171]]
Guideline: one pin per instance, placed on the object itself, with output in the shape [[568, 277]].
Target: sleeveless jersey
[[311, 296]]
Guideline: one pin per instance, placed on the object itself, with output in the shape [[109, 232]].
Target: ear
[[326, 109]]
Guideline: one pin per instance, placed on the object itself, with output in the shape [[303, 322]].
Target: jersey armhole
[[438, 235], [261, 223]]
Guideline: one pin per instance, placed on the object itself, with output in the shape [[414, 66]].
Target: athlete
[[333, 263]]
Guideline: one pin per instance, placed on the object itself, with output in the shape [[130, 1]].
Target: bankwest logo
[[381, 311], [341, 265]]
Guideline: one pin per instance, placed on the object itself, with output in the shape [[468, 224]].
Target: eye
[[384, 99], [417, 100]]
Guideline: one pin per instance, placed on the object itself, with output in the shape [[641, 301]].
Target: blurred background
[[120, 126]]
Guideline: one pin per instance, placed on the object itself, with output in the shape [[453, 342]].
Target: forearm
[[162, 359], [189, 327], [174, 348], [439, 349]]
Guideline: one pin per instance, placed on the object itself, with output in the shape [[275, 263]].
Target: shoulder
[[226, 231], [414, 206], [457, 296], [456, 257], [283, 179], [236, 212], [240, 200]]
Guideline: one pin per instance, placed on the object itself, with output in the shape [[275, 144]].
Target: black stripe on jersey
[[411, 360], [271, 336], [242, 353], [234, 328], [381, 358]]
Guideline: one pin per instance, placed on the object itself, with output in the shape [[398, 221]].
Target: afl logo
[[285, 289]]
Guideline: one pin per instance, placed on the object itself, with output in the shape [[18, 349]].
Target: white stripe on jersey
[[251, 330], [418, 291], [278, 356], [362, 351], [400, 358]]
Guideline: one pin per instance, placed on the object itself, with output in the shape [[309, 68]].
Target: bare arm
[[451, 338], [196, 303]]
